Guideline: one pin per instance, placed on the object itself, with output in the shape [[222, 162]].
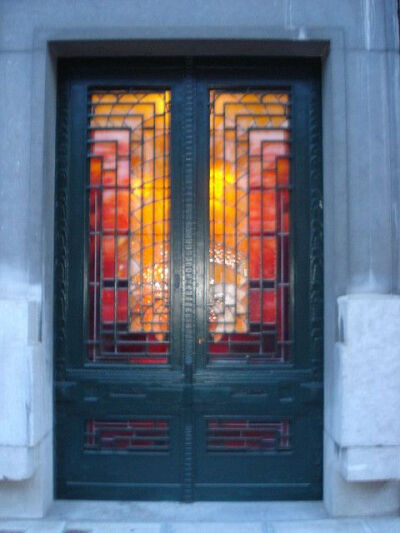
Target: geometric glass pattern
[[137, 435], [241, 435], [129, 136], [249, 227]]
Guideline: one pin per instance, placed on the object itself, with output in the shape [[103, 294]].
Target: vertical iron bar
[[236, 233], [163, 237], [212, 245], [115, 243], [223, 281], [153, 229], [279, 264], [262, 235], [128, 258], [141, 226]]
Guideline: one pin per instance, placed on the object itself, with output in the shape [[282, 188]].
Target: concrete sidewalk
[[216, 517]]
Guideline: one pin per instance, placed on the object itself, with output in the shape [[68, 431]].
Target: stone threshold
[[200, 517]]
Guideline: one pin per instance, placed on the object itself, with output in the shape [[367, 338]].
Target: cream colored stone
[[370, 463], [368, 372]]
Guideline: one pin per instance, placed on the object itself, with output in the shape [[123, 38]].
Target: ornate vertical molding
[[188, 216], [189, 283], [316, 270], [316, 234], [61, 233], [188, 459]]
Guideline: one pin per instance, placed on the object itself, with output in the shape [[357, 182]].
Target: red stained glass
[[129, 216], [266, 263], [282, 171], [95, 171], [262, 211], [95, 213], [115, 258], [115, 216], [284, 210], [120, 310], [106, 151], [267, 306], [108, 251], [123, 172], [224, 435], [250, 226], [94, 266], [135, 435]]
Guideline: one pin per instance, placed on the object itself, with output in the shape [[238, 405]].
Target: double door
[[188, 289]]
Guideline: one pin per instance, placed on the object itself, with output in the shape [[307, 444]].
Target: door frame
[[190, 335]]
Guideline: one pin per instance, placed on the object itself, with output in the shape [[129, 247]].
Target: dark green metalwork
[[189, 393]]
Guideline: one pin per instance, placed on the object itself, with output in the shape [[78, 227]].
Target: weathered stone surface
[[370, 463], [342, 498], [112, 527], [42, 526], [30, 498], [15, 103], [222, 527], [75, 510], [323, 526], [367, 392], [17, 462]]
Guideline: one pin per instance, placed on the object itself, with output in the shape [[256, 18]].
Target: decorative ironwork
[[316, 235], [188, 323], [135, 435], [248, 435], [249, 284], [129, 226], [61, 229]]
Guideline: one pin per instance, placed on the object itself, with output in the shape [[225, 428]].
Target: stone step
[[373, 525]]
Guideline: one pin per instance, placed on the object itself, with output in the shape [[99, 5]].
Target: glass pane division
[[129, 226], [249, 226]]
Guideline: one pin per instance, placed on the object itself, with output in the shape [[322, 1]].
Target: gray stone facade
[[358, 42]]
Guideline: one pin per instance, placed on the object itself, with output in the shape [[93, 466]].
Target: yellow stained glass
[[248, 135], [130, 136]]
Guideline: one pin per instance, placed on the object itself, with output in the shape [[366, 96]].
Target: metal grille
[[138, 435], [243, 435], [129, 191], [249, 286]]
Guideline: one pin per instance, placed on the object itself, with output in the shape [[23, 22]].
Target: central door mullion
[[202, 223], [189, 273]]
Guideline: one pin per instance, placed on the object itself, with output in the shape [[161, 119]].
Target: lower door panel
[[119, 453]]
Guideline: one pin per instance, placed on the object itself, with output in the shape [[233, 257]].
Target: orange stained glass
[[249, 226], [129, 137]]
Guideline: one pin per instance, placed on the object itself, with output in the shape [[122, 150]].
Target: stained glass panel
[[129, 191], [249, 286], [226, 435], [127, 436]]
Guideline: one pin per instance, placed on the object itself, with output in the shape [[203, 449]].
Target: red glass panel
[[224, 435], [282, 170], [264, 300], [129, 216], [120, 312], [135, 435], [249, 226], [269, 259]]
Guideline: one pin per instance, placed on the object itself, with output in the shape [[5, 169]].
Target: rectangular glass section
[[248, 435], [137, 435], [129, 233], [249, 226]]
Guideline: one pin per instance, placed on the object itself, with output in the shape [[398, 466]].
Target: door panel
[[188, 280], [130, 191], [249, 227]]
